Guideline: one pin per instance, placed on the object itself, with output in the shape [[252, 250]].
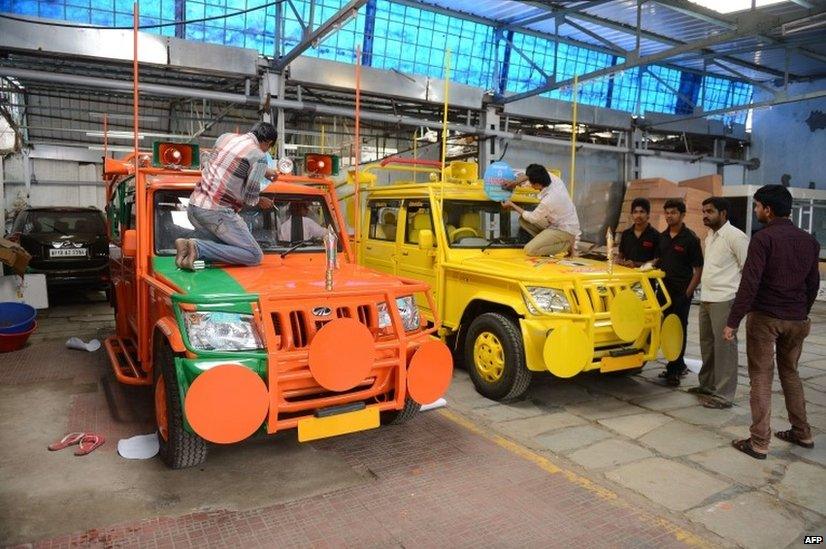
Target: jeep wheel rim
[[161, 418], [489, 357]]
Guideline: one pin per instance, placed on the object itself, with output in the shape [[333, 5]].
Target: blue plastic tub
[[16, 318]]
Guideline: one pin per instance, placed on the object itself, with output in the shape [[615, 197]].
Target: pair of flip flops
[[86, 442]]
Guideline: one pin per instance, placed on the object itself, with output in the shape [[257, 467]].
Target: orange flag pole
[[357, 152]]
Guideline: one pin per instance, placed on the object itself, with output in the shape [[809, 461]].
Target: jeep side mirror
[[425, 239], [130, 243]]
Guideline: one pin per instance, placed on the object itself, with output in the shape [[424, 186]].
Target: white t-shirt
[[555, 209], [725, 256], [311, 229]]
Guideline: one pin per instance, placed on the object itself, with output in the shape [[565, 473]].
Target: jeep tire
[[397, 417], [511, 377], [179, 448]]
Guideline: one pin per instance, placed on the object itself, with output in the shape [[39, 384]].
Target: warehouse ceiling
[[781, 43], [759, 54]]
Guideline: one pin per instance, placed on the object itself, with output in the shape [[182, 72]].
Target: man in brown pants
[[779, 285]]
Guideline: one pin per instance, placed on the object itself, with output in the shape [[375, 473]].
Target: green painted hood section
[[202, 282]]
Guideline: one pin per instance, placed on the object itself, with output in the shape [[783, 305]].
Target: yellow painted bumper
[[619, 363], [536, 332], [314, 428]]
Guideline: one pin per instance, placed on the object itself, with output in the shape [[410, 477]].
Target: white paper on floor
[[139, 446], [433, 405], [80, 345], [694, 364]]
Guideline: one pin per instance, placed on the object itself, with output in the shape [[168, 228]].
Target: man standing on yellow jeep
[[553, 224], [230, 180]]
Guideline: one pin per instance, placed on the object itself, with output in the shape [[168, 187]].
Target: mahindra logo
[[66, 244], [322, 311]]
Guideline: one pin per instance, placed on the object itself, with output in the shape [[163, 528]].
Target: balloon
[[496, 175], [271, 163]]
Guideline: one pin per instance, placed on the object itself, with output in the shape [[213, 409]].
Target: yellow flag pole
[[444, 118], [415, 152], [573, 137]]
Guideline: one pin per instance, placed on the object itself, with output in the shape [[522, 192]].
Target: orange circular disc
[[342, 354], [430, 372], [226, 404]]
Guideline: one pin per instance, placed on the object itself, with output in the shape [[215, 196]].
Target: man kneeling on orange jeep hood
[[230, 180]]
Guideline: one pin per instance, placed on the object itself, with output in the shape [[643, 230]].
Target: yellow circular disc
[[671, 337], [627, 315], [567, 351]]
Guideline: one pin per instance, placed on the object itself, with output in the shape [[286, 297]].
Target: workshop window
[[720, 93], [413, 41]]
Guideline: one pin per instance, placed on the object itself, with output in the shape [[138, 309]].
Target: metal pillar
[[720, 152], [271, 91], [636, 144], [2, 205], [27, 171], [489, 148]]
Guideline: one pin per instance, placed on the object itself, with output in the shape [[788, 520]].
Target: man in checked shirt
[[230, 180]]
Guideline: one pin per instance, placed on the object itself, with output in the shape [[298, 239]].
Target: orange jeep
[[233, 351]]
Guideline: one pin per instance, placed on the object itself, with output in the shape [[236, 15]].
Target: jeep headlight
[[220, 331], [384, 315], [548, 299], [639, 290], [408, 310]]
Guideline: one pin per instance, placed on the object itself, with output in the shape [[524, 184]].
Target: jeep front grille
[[301, 325], [598, 295]]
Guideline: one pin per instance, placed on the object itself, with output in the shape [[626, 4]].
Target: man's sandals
[[746, 447], [789, 436]]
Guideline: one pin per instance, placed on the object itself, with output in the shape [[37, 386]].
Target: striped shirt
[[231, 174], [555, 209]]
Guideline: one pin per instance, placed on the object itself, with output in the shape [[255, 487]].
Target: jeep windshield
[[483, 224], [295, 220]]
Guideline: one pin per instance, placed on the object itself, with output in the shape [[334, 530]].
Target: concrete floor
[[591, 461], [660, 443]]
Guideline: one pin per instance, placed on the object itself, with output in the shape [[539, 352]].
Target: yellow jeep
[[507, 314]]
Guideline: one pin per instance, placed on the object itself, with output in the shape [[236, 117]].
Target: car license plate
[[314, 428], [68, 252]]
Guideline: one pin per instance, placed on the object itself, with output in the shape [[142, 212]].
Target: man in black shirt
[[639, 243], [681, 258]]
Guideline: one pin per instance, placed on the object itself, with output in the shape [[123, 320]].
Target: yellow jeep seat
[[469, 222], [387, 228], [421, 220]]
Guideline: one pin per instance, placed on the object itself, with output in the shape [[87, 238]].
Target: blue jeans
[[221, 235]]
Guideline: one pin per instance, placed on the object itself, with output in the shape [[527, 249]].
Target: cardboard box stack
[[658, 190], [13, 255]]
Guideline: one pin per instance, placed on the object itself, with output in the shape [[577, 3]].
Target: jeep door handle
[[368, 247], [405, 253]]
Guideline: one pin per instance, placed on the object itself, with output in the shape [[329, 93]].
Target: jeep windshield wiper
[[299, 244], [497, 240]]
